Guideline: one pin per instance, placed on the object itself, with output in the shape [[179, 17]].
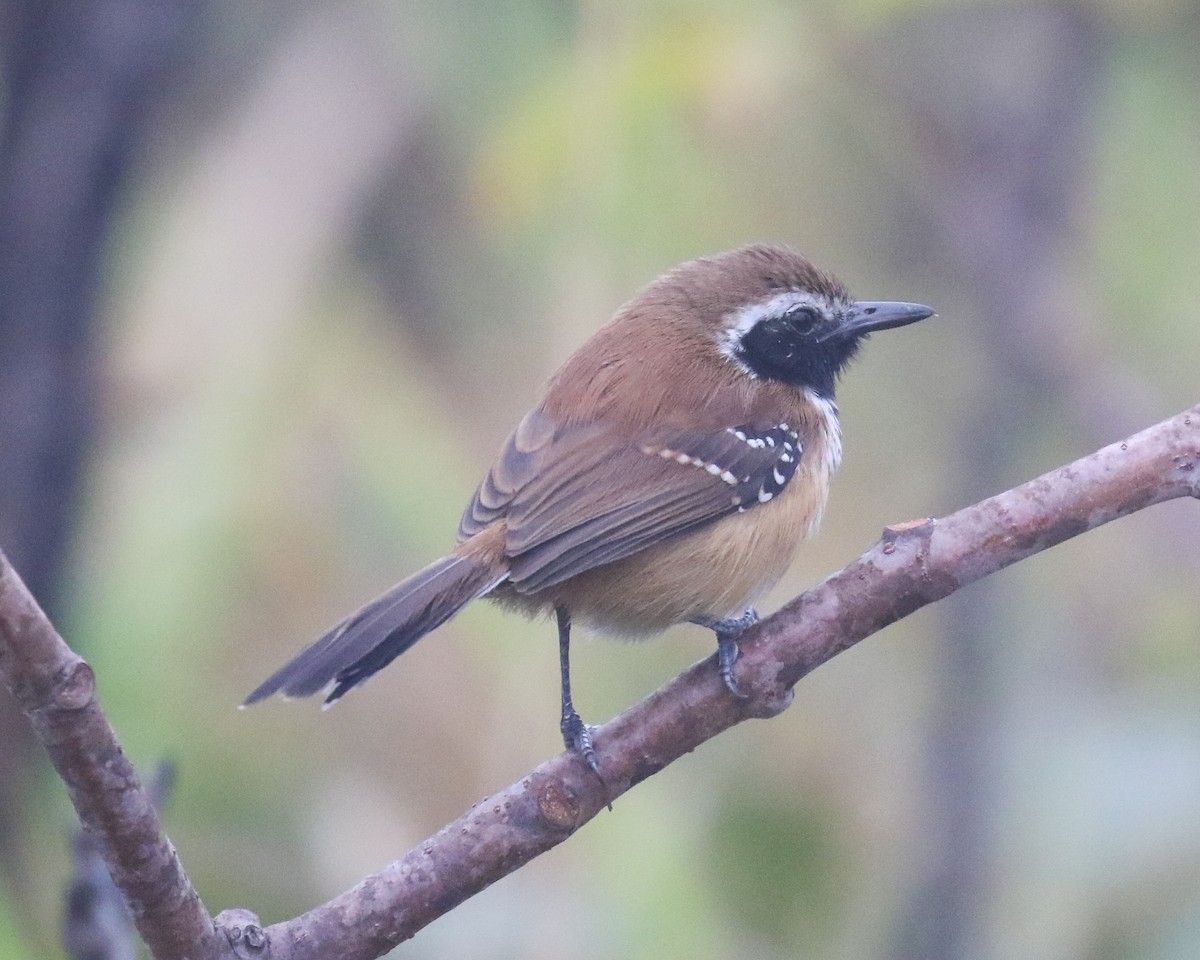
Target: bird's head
[[777, 317]]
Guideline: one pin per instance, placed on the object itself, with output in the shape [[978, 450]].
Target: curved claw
[[728, 632], [577, 736], [727, 654]]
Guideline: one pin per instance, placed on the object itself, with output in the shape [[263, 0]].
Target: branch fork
[[913, 564]]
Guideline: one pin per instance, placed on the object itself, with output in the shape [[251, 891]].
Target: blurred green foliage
[[362, 236]]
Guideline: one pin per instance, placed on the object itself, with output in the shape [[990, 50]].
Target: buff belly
[[717, 571]]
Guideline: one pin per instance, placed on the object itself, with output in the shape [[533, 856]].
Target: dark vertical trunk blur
[[1001, 101], [78, 79]]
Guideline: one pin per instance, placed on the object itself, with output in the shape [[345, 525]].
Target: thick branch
[[913, 564], [56, 690]]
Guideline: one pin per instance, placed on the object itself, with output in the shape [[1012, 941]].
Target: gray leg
[[575, 732], [727, 632]]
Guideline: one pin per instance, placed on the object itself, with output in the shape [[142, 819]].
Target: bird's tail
[[371, 638]]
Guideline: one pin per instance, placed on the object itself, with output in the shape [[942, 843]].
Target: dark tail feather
[[370, 639]]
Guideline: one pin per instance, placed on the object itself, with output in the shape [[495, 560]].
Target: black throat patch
[[775, 349]]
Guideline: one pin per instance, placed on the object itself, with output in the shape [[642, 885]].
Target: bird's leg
[[576, 734], [727, 632]]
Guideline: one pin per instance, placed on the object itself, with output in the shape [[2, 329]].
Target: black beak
[[867, 316]]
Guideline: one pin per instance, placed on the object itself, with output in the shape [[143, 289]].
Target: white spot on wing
[[687, 460]]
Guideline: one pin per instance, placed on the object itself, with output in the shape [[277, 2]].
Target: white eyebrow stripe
[[741, 321]]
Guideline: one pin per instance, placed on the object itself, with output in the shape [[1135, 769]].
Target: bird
[[668, 474]]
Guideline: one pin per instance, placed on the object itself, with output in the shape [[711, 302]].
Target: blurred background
[[277, 278]]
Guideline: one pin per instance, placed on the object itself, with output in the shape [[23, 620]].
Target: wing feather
[[579, 496]]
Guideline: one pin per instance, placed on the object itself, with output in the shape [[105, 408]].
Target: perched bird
[[667, 475]]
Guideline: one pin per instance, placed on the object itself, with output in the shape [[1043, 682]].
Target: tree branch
[[56, 690], [96, 922], [912, 565]]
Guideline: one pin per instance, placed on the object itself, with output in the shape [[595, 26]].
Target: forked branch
[[912, 565]]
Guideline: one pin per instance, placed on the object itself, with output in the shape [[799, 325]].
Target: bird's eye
[[801, 317]]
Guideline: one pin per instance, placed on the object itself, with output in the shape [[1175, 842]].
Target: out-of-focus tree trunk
[[79, 79], [1001, 101]]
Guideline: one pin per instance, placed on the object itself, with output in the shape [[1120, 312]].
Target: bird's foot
[[577, 736], [728, 632]]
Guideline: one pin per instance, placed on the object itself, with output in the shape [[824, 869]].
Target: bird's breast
[[716, 571]]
